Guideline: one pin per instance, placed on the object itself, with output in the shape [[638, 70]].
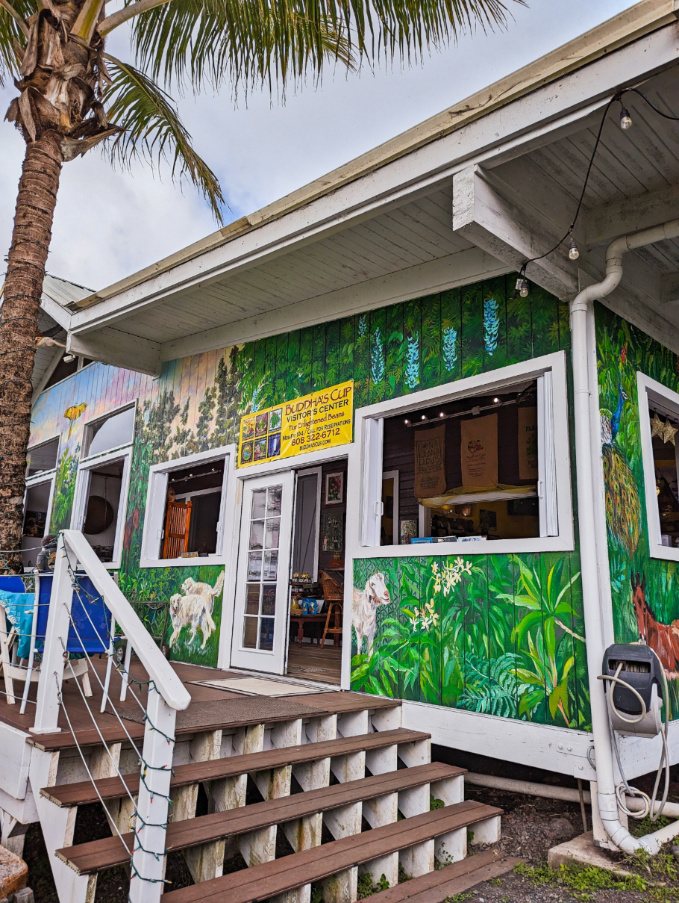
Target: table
[[300, 620]]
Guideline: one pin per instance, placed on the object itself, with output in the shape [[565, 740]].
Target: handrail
[[156, 665]]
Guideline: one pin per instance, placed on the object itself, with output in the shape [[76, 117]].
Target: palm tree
[[73, 94]]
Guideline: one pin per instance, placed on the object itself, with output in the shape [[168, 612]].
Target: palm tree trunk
[[19, 327]]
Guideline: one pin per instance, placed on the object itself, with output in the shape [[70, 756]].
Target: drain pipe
[[554, 792], [579, 307]]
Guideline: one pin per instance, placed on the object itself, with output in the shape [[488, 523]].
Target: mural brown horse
[[662, 638]]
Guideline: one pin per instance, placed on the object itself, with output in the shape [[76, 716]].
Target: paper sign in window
[[479, 452], [430, 462]]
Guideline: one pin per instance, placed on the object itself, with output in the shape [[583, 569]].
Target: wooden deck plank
[[83, 792], [96, 855], [437, 886], [270, 878]]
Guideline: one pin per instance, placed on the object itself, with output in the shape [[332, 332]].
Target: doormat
[[257, 686], [231, 712]]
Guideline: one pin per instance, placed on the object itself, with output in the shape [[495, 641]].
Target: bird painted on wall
[[623, 510]]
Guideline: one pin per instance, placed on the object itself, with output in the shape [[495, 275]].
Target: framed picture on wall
[[334, 488]]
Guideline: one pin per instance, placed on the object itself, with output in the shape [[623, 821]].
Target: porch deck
[[80, 711]]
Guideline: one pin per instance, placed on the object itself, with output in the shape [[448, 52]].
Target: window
[[307, 522], [102, 483], [484, 460], [109, 432], [42, 458], [659, 415], [185, 510], [66, 366]]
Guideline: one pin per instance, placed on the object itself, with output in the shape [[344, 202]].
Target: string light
[[625, 124], [573, 252], [522, 287]]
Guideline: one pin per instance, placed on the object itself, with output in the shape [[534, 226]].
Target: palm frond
[[274, 41], [12, 36], [151, 128]]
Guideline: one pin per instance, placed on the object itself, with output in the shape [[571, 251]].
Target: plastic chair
[[9, 640], [90, 631]]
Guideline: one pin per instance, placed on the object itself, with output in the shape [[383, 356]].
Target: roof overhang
[[471, 192]]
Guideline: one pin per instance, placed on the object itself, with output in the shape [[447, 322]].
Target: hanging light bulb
[[407, 422], [423, 417], [522, 286], [625, 118], [573, 252]]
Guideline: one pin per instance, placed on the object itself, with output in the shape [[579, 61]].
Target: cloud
[[110, 223]]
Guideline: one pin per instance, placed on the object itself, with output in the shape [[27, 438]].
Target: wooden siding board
[[412, 336], [494, 323], [378, 375], [306, 349], [332, 353], [431, 341], [545, 317], [362, 360], [346, 353], [451, 360], [281, 390], [294, 339], [318, 366], [519, 328], [395, 354], [472, 330]]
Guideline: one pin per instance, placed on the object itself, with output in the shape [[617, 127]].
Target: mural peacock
[[623, 511]]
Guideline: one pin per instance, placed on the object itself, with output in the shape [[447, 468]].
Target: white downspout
[[607, 803]]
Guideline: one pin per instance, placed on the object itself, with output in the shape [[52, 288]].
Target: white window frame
[[45, 476], [82, 488], [308, 471], [554, 483], [33, 448], [107, 416], [652, 392], [395, 476], [156, 498]]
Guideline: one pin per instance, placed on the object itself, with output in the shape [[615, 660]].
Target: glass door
[[262, 590]]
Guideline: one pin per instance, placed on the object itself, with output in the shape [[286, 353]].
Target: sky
[[110, 223]]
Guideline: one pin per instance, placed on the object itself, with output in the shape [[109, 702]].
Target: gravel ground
[[530, 826]]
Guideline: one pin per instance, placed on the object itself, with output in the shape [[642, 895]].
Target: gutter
[[619, 31], [589, 559]]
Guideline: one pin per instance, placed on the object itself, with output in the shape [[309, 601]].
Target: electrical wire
[[617, 98]]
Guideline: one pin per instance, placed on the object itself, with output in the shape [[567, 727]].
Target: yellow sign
[[320, 420]]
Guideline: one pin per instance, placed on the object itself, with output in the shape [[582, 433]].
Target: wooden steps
[[330, 860], [84, 792], [87, 858], [437, 886], [333, 702]]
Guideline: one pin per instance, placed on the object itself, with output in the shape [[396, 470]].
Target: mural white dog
[[364, 613], [194, 609]]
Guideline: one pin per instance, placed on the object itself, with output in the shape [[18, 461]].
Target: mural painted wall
[[652, 584], [196, 405]]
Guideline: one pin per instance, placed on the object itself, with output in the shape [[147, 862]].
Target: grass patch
[[581, 881], [366, 886]]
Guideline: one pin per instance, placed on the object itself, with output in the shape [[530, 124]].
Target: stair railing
[[166, 696]]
